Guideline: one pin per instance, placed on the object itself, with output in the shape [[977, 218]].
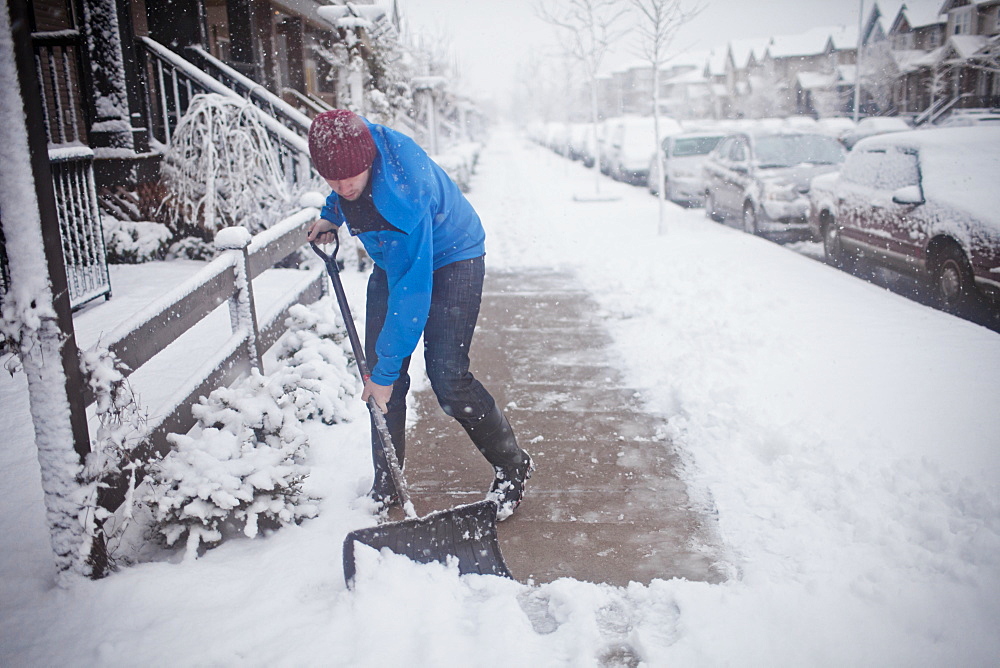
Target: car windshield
[[694, 146], [791, 150]]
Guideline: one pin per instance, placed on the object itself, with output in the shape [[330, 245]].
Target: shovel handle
[[381, 428]]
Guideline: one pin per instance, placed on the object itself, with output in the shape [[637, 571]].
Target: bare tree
[[587, 29], [659, 21]]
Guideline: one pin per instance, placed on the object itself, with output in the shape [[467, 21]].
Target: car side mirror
[[740, 168], [910, 196]]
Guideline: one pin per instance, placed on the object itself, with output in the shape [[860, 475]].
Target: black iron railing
[[80, 224]]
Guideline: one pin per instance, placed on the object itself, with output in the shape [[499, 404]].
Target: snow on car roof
[[960, 167]]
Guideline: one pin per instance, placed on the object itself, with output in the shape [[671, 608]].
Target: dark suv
[[761, 179], [924, 202]]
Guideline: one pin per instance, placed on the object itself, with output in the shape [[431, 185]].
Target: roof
[[911, 60], [811, 42], [742, 49], [966, 46], [918, 13]]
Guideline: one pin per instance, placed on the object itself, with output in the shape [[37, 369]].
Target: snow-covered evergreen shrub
[[222, 169], [243, 462], [316, 378], [191, 248], [128, 242]]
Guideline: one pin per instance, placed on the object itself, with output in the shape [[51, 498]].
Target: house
[[105, 84]]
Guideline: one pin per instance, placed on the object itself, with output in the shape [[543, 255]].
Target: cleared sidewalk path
[[605, 504]]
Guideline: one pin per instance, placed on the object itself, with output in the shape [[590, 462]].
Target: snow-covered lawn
[[849, 438]]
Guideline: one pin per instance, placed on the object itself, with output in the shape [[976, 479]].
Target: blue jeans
[[455, 299]]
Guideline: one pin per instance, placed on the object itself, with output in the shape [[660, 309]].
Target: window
[[862, 167], [739, 151], [963, 20], [898, 170]]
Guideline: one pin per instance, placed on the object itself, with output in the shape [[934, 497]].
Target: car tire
[[749, 219], [710, 210], [833, 249], [954, 287]]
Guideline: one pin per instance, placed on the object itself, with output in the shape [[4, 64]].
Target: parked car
[[629, 141], [836, 126], [972, 118], [761, 179], [683, 157], [924, 202], [874, 125], [583, 143]]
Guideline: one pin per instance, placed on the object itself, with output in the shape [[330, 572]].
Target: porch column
[[251, 38], [111, 125]]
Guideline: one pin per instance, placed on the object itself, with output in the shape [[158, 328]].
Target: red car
[[924, 202]]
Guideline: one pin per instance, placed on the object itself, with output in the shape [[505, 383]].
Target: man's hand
[[322, 231], [380, 393]]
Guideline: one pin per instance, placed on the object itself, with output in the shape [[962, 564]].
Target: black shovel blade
[[467, 533]]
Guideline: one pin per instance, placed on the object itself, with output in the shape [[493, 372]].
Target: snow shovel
[[467, 533]]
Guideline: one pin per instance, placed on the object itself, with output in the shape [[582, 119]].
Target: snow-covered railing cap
[[336, 14], [233, 238]]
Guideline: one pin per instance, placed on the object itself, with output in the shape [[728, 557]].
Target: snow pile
[[459, 162]]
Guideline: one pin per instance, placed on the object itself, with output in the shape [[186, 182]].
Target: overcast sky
[[491, 37]]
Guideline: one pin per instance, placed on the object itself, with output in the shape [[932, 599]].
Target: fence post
[[242, 310]]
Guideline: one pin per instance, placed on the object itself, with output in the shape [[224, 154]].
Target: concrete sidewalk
[[606, 503]]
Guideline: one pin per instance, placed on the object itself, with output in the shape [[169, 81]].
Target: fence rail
[[228, 278]]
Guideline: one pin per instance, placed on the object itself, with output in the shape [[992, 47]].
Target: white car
[[629, 141], [683, 156], [874, 125]]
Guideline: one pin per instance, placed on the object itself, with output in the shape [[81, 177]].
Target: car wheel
[[749, 219], [954, 286], [710, 209], [833, 249]]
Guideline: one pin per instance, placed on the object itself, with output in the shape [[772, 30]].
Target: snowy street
[[847, 438]]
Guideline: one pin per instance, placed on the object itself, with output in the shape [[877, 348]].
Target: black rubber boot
[[507, 489], [383, 491], [512, 465]]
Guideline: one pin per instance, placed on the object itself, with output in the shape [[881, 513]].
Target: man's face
[[351, 187]]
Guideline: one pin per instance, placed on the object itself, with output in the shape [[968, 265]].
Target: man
[[428, 246]]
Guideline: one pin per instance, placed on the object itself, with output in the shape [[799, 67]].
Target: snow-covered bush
[[316, 378], [128, 242], [222, 169], [460, 163], [191, 248], [243, 461]]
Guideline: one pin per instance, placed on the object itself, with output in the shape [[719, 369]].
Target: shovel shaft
[[385, 440]]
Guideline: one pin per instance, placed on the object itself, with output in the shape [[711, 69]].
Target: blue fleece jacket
[[437, 226]]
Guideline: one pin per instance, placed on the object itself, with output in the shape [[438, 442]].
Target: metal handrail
[[249, 89], [175, 81]]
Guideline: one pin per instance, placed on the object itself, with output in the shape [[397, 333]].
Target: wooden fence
[[228, 278]]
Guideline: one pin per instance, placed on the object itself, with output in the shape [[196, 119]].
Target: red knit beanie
[[340, 144]]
